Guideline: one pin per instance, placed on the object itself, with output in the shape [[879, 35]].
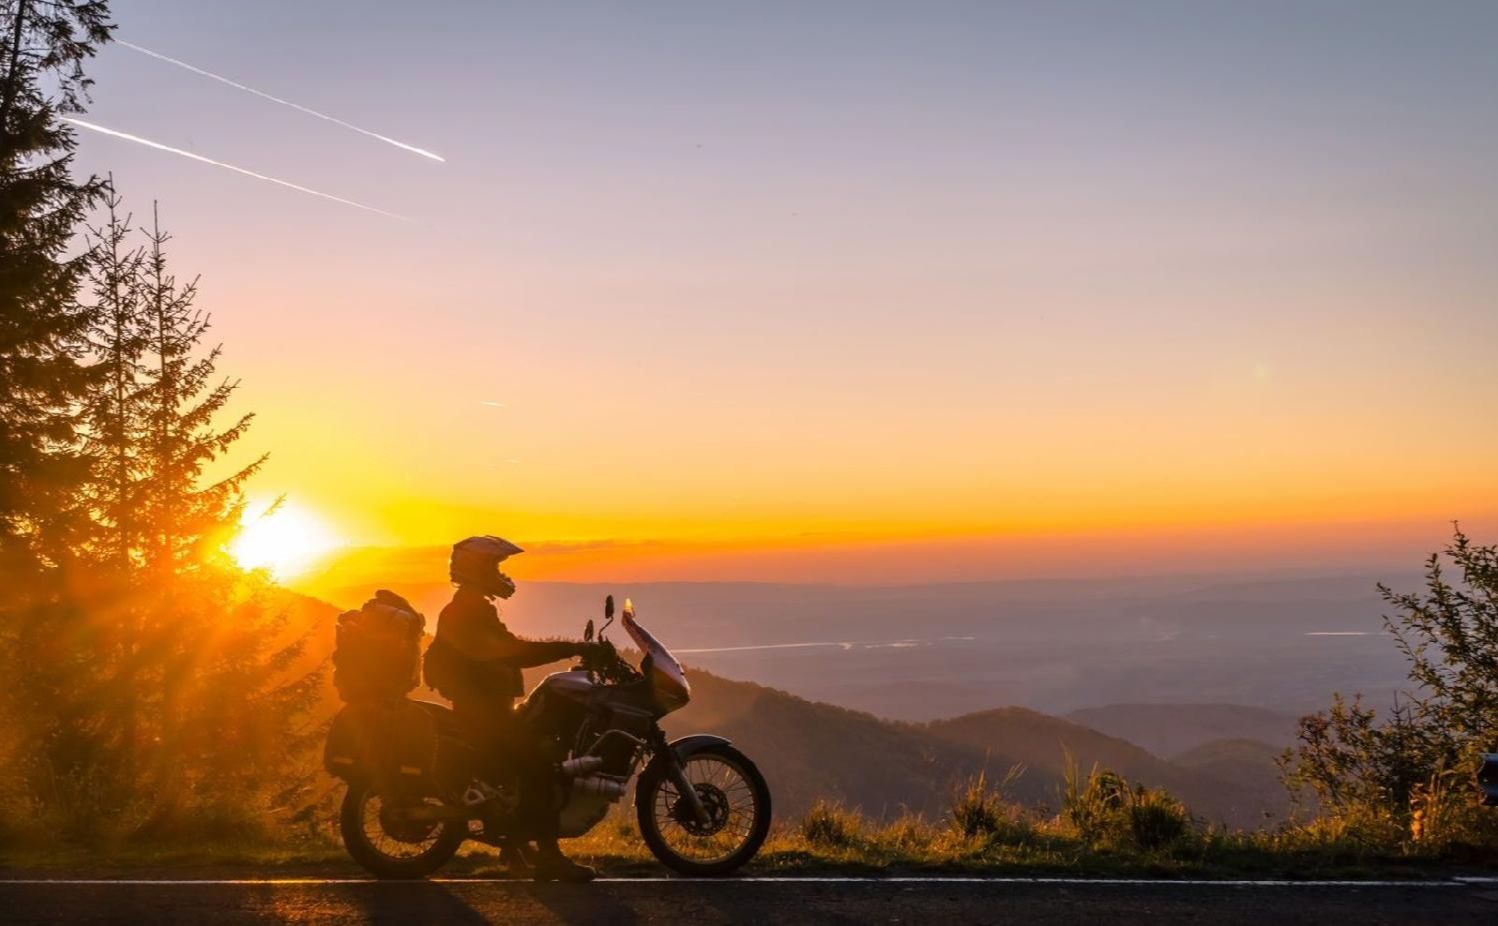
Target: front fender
[[689, 745], [681, 749]]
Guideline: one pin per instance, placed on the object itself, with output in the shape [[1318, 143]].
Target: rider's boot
[[552, 865], [512, 856]]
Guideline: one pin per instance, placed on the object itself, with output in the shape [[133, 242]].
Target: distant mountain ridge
[[811, 750], [1171, 729], [1045, 744]]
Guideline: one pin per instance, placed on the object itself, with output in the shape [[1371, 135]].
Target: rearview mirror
[[608, 607], [588, 632]]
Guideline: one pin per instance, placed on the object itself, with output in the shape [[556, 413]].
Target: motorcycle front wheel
[[388, 847], [737, 801]]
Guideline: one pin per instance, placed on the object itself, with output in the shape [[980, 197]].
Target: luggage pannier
[[399, 745], [397, 739], [377, 651]]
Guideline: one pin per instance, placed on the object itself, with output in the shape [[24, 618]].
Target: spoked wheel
[[383, 839], [736, 799]]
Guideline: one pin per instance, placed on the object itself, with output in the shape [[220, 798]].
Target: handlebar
[[606, 663]]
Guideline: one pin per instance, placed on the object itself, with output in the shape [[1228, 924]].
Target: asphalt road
[[761, 902]]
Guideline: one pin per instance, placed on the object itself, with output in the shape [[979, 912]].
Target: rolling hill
[[811, 750], [1247, 769], [1043, 744], [1169, 729]]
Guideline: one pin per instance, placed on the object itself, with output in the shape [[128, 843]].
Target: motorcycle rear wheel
[[737, 798], [399, 855]]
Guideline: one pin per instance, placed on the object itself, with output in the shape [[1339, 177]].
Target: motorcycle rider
[[475, 662]]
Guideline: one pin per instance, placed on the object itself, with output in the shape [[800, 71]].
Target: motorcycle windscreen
[[667, 680]]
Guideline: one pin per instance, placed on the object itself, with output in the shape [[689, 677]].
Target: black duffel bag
[[377, 651]]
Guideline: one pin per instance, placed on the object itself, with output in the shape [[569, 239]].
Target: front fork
[[676, 773]]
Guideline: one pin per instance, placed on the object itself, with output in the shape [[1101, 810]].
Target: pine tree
[[116, 418], [150, 680], [46, 378], [187, 522], [44, 374], [119, 410], [223, 677]]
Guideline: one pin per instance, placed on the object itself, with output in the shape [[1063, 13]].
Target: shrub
[[908, 834], [978, 811], [1446, 813], [831, 825], [1108, 810], [1389, 779], [1357, 832], [1090, 806], [1156, 820]]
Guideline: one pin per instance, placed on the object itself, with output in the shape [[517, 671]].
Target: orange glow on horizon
[[1380, 548]]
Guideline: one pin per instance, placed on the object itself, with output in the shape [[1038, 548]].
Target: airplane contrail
[[238, 170], [275, 99]]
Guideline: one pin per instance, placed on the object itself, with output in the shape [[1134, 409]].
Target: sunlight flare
[[285, 541]]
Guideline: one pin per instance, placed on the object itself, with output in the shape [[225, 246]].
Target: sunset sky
[[844, 290]]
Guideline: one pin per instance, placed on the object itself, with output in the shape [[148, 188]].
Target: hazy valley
[[925, 652]]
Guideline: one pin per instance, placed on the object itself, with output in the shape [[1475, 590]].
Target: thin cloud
[[115, 133], [275, 99]]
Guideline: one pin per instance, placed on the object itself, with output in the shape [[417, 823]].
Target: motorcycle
[[702, 806]]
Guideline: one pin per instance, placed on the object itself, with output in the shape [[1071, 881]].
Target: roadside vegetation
[[1377, 795], [159, 708], [1102, 826]]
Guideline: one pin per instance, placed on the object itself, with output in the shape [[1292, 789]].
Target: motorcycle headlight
[[670, 688]]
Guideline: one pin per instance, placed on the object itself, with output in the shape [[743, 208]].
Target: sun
[[285, 542]]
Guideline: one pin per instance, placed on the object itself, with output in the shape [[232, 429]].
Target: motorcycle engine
[[582, 812]]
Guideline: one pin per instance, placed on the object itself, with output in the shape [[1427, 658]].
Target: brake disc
[[714, 801]]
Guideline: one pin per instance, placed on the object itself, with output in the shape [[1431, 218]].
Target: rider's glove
[[594, 652]]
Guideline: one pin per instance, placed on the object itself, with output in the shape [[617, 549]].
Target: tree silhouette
[[44, 373], [150, 682], [46, 381], [116, 409], [188, 522], [1383, 776], [219, 674]]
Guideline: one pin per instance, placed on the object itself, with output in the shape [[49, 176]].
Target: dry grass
[[1105, 827]]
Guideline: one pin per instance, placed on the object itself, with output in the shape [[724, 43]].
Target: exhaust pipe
[[581, 766], [600, 786]]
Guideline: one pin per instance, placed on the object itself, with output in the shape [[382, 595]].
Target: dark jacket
[[475, 656]]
